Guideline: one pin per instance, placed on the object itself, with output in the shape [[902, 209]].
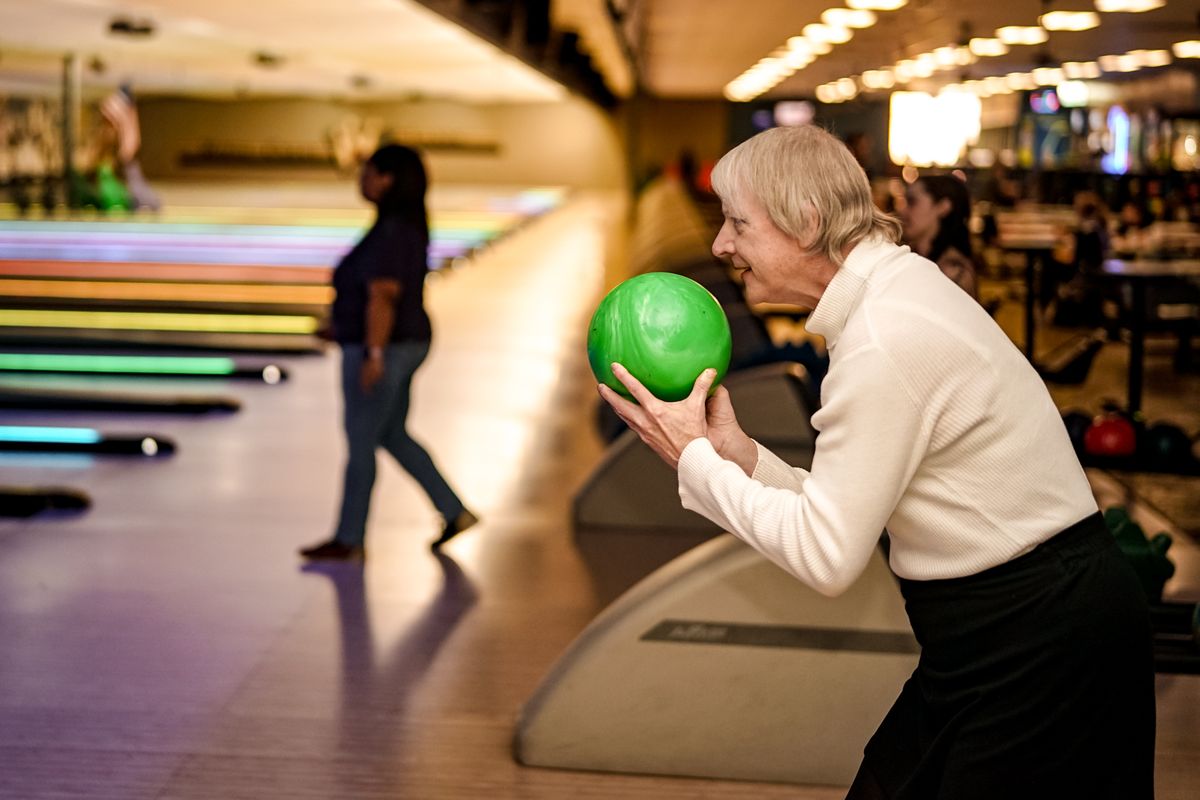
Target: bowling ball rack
[[1176, 638], [29, 501], [1139, 463], [50, 400]]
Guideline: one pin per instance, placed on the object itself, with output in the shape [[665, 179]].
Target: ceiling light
[[814, 47], [799, 44], [1119, 63], [987, 47], [997, 84], [878, 79], [978, 87], [798, 59], [945, 57], [828, 94], [1072, 94], [1020, 80], [846, 88], [1081, 69], [848, 18], [1129, 6], [833, 34], [1069, 20], [772, 69], [877, 5], [1022, 34], [1048, 76], [1151, 58], [1188, 49]]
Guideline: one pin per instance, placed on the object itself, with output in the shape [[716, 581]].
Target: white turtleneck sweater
[[932, 424]]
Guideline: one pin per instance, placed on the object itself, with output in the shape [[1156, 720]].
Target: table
[[1037, 246], [1139, 274]]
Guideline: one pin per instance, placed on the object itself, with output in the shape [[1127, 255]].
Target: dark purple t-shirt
[[393, 249]]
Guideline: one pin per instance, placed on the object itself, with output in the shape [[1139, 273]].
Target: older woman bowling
[[1036, 675]]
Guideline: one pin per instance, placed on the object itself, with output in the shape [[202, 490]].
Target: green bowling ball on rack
[[1147, 555], [110, 192], [665, 329]]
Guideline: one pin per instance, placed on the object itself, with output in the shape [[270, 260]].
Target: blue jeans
[[376, 419]]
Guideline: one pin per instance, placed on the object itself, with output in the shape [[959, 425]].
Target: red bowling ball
[[1111, 435]]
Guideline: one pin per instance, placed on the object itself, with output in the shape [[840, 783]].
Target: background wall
[[569, 143], [661, 130]]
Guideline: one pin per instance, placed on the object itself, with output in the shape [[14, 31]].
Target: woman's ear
[[942, 207]]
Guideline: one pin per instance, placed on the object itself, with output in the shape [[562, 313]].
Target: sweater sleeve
[[822, 528], [771, 470]]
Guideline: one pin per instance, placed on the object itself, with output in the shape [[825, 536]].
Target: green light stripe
[[31, 362]]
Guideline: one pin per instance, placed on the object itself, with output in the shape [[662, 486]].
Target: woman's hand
[[666, 427], [727, 437], [371, 373]]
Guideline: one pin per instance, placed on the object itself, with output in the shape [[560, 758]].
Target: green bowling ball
[[665, 329]]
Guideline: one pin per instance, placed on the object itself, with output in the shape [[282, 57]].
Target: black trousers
[[1036, 680]]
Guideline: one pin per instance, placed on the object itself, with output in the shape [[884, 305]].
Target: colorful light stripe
[[21, 433], [157, 321], [156, 365], [273, 294], [277, 258], [124, 270], [83, 250]]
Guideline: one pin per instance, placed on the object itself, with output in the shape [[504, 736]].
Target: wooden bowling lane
[[169, 644], [87, 278]]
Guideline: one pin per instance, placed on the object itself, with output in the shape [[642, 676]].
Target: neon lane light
[[148, 365], [269, 294], [21, 433], [153, 321]]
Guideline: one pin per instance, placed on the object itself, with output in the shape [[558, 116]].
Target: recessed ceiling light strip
[[837, 26]]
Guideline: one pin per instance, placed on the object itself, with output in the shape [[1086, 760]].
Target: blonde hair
[[811, 187]]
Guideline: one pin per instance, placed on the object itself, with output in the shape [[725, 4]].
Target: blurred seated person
[[1065, 279], [1092, 239], [935, 226], [1130, 219], [999, 188]]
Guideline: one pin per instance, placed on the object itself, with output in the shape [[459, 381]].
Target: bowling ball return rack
[[1176, 628], [1139, 463]]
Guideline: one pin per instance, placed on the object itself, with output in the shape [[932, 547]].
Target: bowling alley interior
[[184, 188]]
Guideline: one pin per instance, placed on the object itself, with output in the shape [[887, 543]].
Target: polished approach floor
[[169, 643]]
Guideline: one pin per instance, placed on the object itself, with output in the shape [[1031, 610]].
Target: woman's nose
[[722, 245]]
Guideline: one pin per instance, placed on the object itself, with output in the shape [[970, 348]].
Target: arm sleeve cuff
[[699, 467], [771, 470]]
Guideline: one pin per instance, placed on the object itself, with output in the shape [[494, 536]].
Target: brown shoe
[[333, 550], [460, 523]]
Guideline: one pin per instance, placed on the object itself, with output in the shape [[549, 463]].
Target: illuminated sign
[[1044, 102]]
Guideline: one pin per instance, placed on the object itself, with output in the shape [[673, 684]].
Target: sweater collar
[[842, 294]]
